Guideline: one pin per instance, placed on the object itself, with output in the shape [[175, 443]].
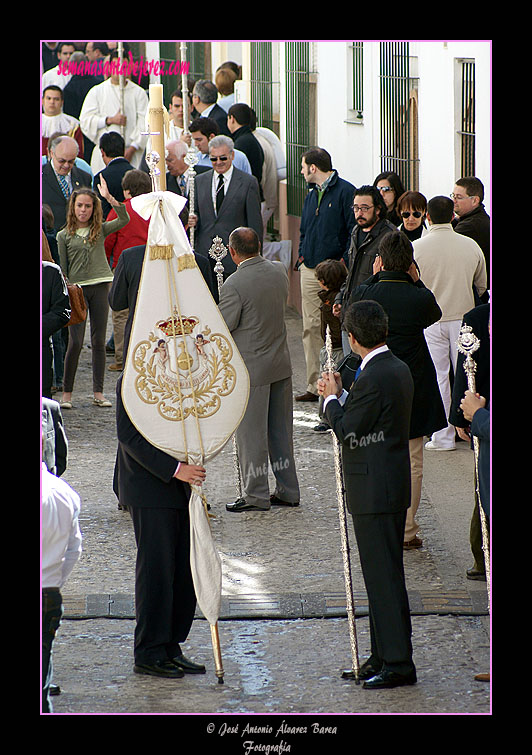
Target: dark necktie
[[219, 193]]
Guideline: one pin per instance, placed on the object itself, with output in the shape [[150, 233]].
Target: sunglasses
[[221, 159], [416, 214]]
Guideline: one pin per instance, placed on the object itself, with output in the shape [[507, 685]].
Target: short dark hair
[[113, 144], [367, 322], [241, 113], [206, 126], [55, 88], [378, 201], [473, 186], [136, 182], [396, 252], [245, 242], [318, 157], [441, 209], [332, 273]]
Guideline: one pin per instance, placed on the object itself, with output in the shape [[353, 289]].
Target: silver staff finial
[[218, 251]]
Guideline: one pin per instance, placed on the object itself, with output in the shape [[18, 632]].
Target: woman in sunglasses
[[412, 209], [391, 187]]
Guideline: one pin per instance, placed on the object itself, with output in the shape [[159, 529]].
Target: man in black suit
[[372, 423], [112, 148], [226, 198], [204, 96], [155, 489], [60, 177]]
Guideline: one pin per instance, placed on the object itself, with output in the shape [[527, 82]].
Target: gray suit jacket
[[252, 303], [241, 207]]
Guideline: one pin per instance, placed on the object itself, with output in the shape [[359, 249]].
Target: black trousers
[[52, 611], [380, 545], [165, 600]]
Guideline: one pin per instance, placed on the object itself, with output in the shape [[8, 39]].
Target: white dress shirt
[[61, 536], [342, 398], [227, 180]]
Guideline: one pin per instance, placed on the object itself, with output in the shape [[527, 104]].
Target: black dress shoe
[[366, 671], [188, 666], [243, 505], [166, 669], [476, 574], [275, 501], [387, 679], [308, 396]]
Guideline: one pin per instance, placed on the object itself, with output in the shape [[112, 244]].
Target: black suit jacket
[[125, 286], [143, 475], [478, 318], [219, 115], [113, 174], [54, 197], [373, 428], [411, 308]]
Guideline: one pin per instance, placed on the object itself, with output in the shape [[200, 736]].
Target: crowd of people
[[391, 274]]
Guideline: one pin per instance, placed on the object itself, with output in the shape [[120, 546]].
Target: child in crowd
[[331, 275]]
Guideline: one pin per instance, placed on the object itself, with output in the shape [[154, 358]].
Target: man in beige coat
[[252, 302], [452, 266]]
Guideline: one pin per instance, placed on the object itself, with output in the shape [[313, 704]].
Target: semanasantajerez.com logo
[[123, 67]]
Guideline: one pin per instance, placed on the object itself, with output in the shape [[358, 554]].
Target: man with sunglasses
[[471, 218], [226, 198]]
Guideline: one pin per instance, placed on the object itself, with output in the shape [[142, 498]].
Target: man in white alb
[[101, 113]]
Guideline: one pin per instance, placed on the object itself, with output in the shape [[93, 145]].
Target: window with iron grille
[[197, 54], [356, 107], [261, 83], [467, 116], [300, 119], [398, 118]]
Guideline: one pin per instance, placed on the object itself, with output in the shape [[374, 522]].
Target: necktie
[[357, 373], [183, 185], [65, 188], [219, 193]]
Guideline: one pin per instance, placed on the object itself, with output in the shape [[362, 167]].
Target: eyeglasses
[[61, 161], [384, 188], [362, 207], [415, 213], [458, 196], [222, 159]]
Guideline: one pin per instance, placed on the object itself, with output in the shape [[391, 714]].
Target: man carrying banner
[[155, 488]]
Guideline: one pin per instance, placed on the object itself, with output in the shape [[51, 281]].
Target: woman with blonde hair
[[83, 261]]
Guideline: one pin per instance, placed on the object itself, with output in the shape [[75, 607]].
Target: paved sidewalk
[[283, 629]]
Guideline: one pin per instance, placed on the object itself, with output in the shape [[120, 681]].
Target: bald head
[[63, 153], [244, 243]]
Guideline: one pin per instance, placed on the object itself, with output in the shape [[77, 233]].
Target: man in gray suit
[[252, 303], [226, 198]]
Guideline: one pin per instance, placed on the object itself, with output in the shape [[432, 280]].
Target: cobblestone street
[[283, 629]]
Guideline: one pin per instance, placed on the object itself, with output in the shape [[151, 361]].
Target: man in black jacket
[[239, 124], [410, 308], [372, 423], [370, 225], [471, 218], [112, 148], [55, 315], [60, 177]]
